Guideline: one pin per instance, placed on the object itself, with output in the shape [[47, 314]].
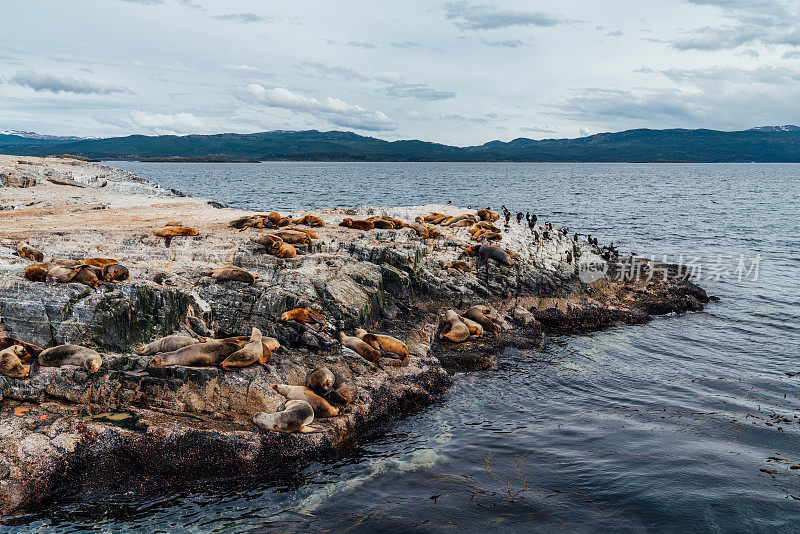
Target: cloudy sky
[[456, 72]]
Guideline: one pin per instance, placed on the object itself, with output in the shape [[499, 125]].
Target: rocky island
[[454, 286]]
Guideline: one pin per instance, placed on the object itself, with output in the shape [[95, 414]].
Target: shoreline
[[191, 424]]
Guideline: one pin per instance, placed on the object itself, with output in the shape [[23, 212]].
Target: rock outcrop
[[131, 423]]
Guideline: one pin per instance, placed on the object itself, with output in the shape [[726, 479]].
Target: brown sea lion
[[312, 221], [36, 272], [420, 229], [71, 355], [303, 315], [296, 416], [99, 262], [310, 233], [29, 253], [85, 274], [233, 274], [381, 223], [208, 354], [357, 224], [321, 381], [293, 237], [322, 408], [470, 251], [487, 215], [167, 344], [497, 254], [10, 363], [458, 219], [251, 353], [432, 217], [454, 329], [115, 273], [475, 329], [463, 223], [242, 222], [269, 345], [487, 235], [348, 392], [478, 314], [384, 343], [460, 266], [31, 351], [486, 225], [364, 349], [274, 217], [168, 232], [434, 232]]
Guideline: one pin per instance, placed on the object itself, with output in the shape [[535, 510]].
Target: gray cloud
[[508, 43], [604, 104], [362, 44], [144, 2], [418, 91], [64, 84], [765, 75], [792, 54], [333, 110], [615, 33], [322, 70], [468, 16], [405, 44], [240, 17], [537, 129]]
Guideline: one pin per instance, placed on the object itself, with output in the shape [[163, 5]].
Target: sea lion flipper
[[308, 429]]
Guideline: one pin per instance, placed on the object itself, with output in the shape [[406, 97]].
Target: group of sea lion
[[383, 222], [228, 353], [304, 403], [274, 220], [91, 272], [473, 322], [15, 355]]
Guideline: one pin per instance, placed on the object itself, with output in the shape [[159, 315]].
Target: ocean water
[[686, 424]]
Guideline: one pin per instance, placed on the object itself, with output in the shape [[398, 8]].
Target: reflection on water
[[688, 423]]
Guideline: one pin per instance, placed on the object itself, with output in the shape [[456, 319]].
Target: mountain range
[[761, 144]]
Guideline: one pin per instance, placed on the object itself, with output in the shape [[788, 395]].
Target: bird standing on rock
[[519, 217]]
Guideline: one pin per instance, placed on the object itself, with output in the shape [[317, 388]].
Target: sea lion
[[475, 329], [312, 221], [85, 274], [36, 272], [233, 274], [167, 344], [478, 314], [321, 381], [99, 262], [460, 266], [463, 223], [276, 246], [458, 218], [434, 232], [10, 363], [384, 343], [242, 222], [274, 217], [251, 353], [296, 416], [357, 224], [432, 217], [115, 272], [71, 355], [322, 408], [488, 235], [303, 315], [31, 351], [308, 231], [381, 223], [454, 329], [169, 231], [207, 354], [348, 393], [364, 349], [470, 251], [293, 237], [497, 254], [29, 253], [268, 344], [487, 215]]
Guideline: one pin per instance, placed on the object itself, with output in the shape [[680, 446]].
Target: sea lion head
[[93, 363], [115, 272], [10, 363], [321, 380]]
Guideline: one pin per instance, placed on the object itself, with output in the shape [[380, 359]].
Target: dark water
[[664, 427]]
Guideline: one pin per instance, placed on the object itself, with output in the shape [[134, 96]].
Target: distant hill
[[762, 144]]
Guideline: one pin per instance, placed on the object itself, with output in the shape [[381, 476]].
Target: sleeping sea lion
[[357, 224], [470, 251], [312, 221], [85, 274], [115, 272], [294, 237], [233, 274], [71, 355], [308, 231], [460, 266], [384, 343], [487, 215], [488, 235], [497, 254], [175, 230], [303, 315], [475, 329], [322, 408], [29, 253], [364, 349], [432, 217], [251, 353], [207, 354], [348, 393], [99, 262], [454, 329], [36, 272], [167, 344], [10, 363], [296, 416], [381, 223], [31, 351], [478, 314], [420, 229]]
